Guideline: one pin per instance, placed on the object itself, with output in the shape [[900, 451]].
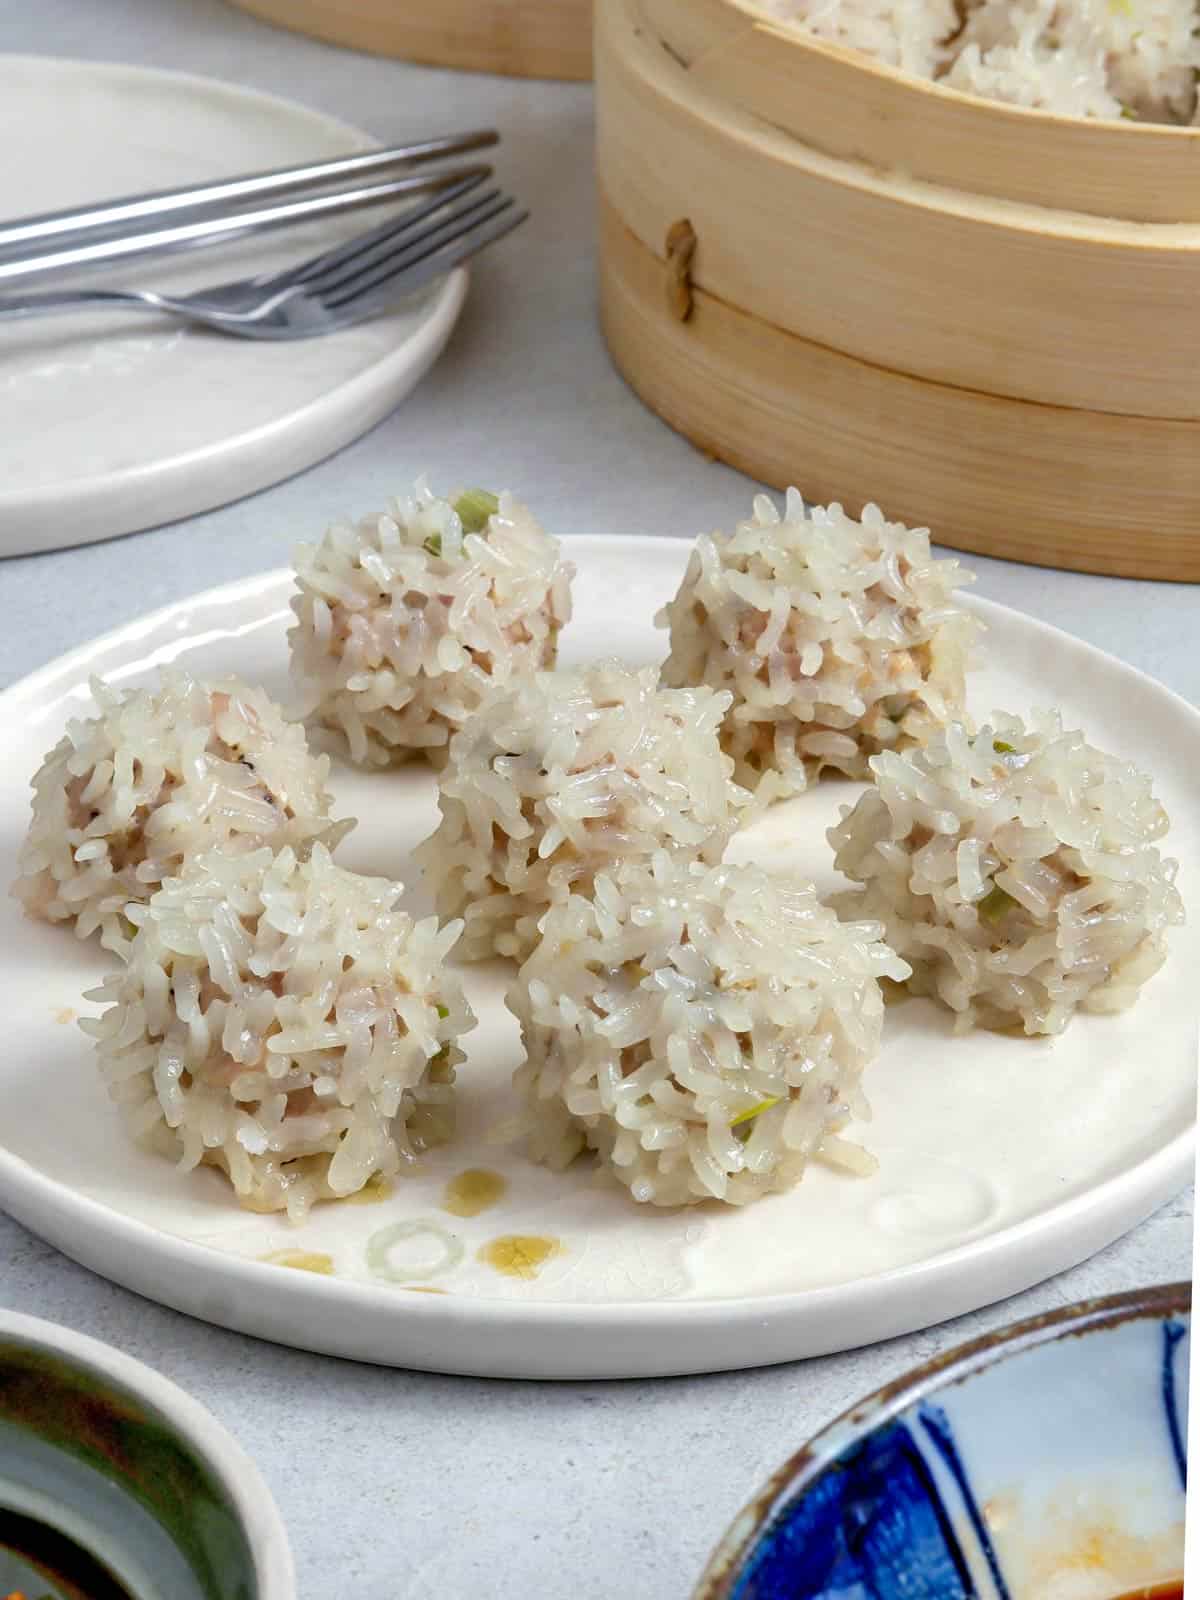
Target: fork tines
[[422, 244]]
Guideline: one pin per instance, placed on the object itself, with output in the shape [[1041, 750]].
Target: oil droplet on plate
[[375, 1189], [519, 1255], [67, 1014], [301, 1260], [473, 1191]]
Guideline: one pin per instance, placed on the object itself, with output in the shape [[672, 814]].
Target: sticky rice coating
[[702, 1029], [1135, 59], [407, 621], [836, 638], [560, 778], [1016, 870], [281, 1020], [155, 777]]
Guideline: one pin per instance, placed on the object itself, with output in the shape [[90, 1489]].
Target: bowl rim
[[270, 1552], [802, 1469]]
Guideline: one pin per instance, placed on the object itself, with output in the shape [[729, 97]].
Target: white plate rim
[[117, 503], [541, 1339]]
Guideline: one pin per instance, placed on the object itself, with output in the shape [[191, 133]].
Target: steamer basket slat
[[846, 105], [1019, 375], [519, 38], [985, 473]]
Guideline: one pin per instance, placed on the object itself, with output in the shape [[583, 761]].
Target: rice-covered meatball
[[1087, 58], [1037, 53], [153, 778], [703, 1029], [406, 621], [281, 1020], [911, 37], [1016, 870], [1081, 58], [836, 638], [562, 776]]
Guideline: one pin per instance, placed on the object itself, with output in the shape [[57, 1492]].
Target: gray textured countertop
[[398, 1486]]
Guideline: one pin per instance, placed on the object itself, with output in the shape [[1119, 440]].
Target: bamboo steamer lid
[[982, 317], [519, 38]]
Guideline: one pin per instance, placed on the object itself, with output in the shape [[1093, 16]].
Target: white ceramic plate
[[1002, 1160], [115, 422]]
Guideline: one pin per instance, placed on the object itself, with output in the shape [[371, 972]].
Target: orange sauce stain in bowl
[[1155, 1591]]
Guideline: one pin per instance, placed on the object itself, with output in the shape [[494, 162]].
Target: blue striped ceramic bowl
[[1048, 1459]]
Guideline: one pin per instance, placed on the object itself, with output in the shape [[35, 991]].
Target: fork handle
[[48, 301]]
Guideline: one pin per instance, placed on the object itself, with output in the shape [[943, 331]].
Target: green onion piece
[[434, 544], [1003, 748], [755, 1111], [439, 1064], [993, 906], [1128, 115], [443, 1012], [474, 507]]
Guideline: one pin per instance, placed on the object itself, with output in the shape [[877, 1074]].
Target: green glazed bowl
[[115, 1485]]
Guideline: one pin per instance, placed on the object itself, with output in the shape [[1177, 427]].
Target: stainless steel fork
[[336, 289]]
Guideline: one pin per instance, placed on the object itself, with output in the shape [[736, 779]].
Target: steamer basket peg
[[517, 38], [982, 317]]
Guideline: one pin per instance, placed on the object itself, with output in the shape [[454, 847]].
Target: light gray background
[[398, 1486]]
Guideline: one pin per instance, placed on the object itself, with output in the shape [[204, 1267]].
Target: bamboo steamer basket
[[520, 38], [829, 274]]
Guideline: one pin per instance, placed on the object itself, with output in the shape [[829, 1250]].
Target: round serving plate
[[116, 422], [1001, 1160]]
